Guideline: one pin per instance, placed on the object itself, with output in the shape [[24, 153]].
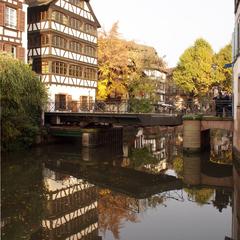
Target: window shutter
[[7, 47], [21, 53], [21, 20], [2, 12], [69, 102], [57, 101], [1, 46]]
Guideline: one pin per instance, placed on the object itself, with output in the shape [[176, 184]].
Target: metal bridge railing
[[222, 108]]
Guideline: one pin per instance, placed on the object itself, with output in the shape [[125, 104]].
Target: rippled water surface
[[139, 187]]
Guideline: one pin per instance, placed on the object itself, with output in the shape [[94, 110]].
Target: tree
[[113, 64], [194, 71], [22, 99], [121, 67], [223, 76]]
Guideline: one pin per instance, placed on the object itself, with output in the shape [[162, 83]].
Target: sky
[[169, 26]]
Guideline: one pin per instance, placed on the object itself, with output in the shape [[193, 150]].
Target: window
[[40, 67], [76, 47], [78, 3], [91, 51], [59, 67], [58, 41], [75, 23], [90, 73], [44, 40], [60, 17], [60, 102], [236, 40], [90, 29], [75, 71], [10, 17], [45, 67], [14, 51], [36, 15]]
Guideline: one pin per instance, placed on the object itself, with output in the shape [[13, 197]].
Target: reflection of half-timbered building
[[71, 208], [13, 29], [62, 47]]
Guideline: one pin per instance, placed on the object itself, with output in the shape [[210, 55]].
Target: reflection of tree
[[222, 199], [221, 146], [178, 165], [21, 199], [155, 201], [113, 210], [201, 196], [141, 157]]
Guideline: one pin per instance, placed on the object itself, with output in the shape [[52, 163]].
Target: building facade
[[236, 76], [13, 28], [62, 48], [236, 141], [159, 78]]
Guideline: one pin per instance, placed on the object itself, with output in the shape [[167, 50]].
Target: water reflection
[[143, 187]]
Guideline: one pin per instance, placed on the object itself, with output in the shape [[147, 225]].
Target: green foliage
[[178, 166], [193, 72], [199, 69], [223, 76], [22, 98], [201, 196], [140, 157], [140, 105]]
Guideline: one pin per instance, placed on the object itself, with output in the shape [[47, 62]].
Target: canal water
[[139, 187]]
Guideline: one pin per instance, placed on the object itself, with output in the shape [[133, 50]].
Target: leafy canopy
[[121, 65], [22, 98], [199, 69]]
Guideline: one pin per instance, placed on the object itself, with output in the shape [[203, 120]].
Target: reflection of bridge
[[123, 180], [199, 170], [142, 184]]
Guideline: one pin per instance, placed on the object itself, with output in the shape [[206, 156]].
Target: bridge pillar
[[191, 135], [101, 136], [192, 169]]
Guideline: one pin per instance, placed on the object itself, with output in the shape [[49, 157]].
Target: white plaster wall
[[24, 34], [75, 92]]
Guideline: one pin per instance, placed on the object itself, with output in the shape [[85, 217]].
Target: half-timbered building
[[13, 30], [62, 47]]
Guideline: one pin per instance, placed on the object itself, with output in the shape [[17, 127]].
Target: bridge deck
[[141, 119]]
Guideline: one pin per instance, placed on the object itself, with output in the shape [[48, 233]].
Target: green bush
[[141, 105], [23, 96]]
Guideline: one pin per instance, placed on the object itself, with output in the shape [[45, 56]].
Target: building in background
[[158, 76], [175, 96], [236, 140], [13, 28], [62, 48]]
